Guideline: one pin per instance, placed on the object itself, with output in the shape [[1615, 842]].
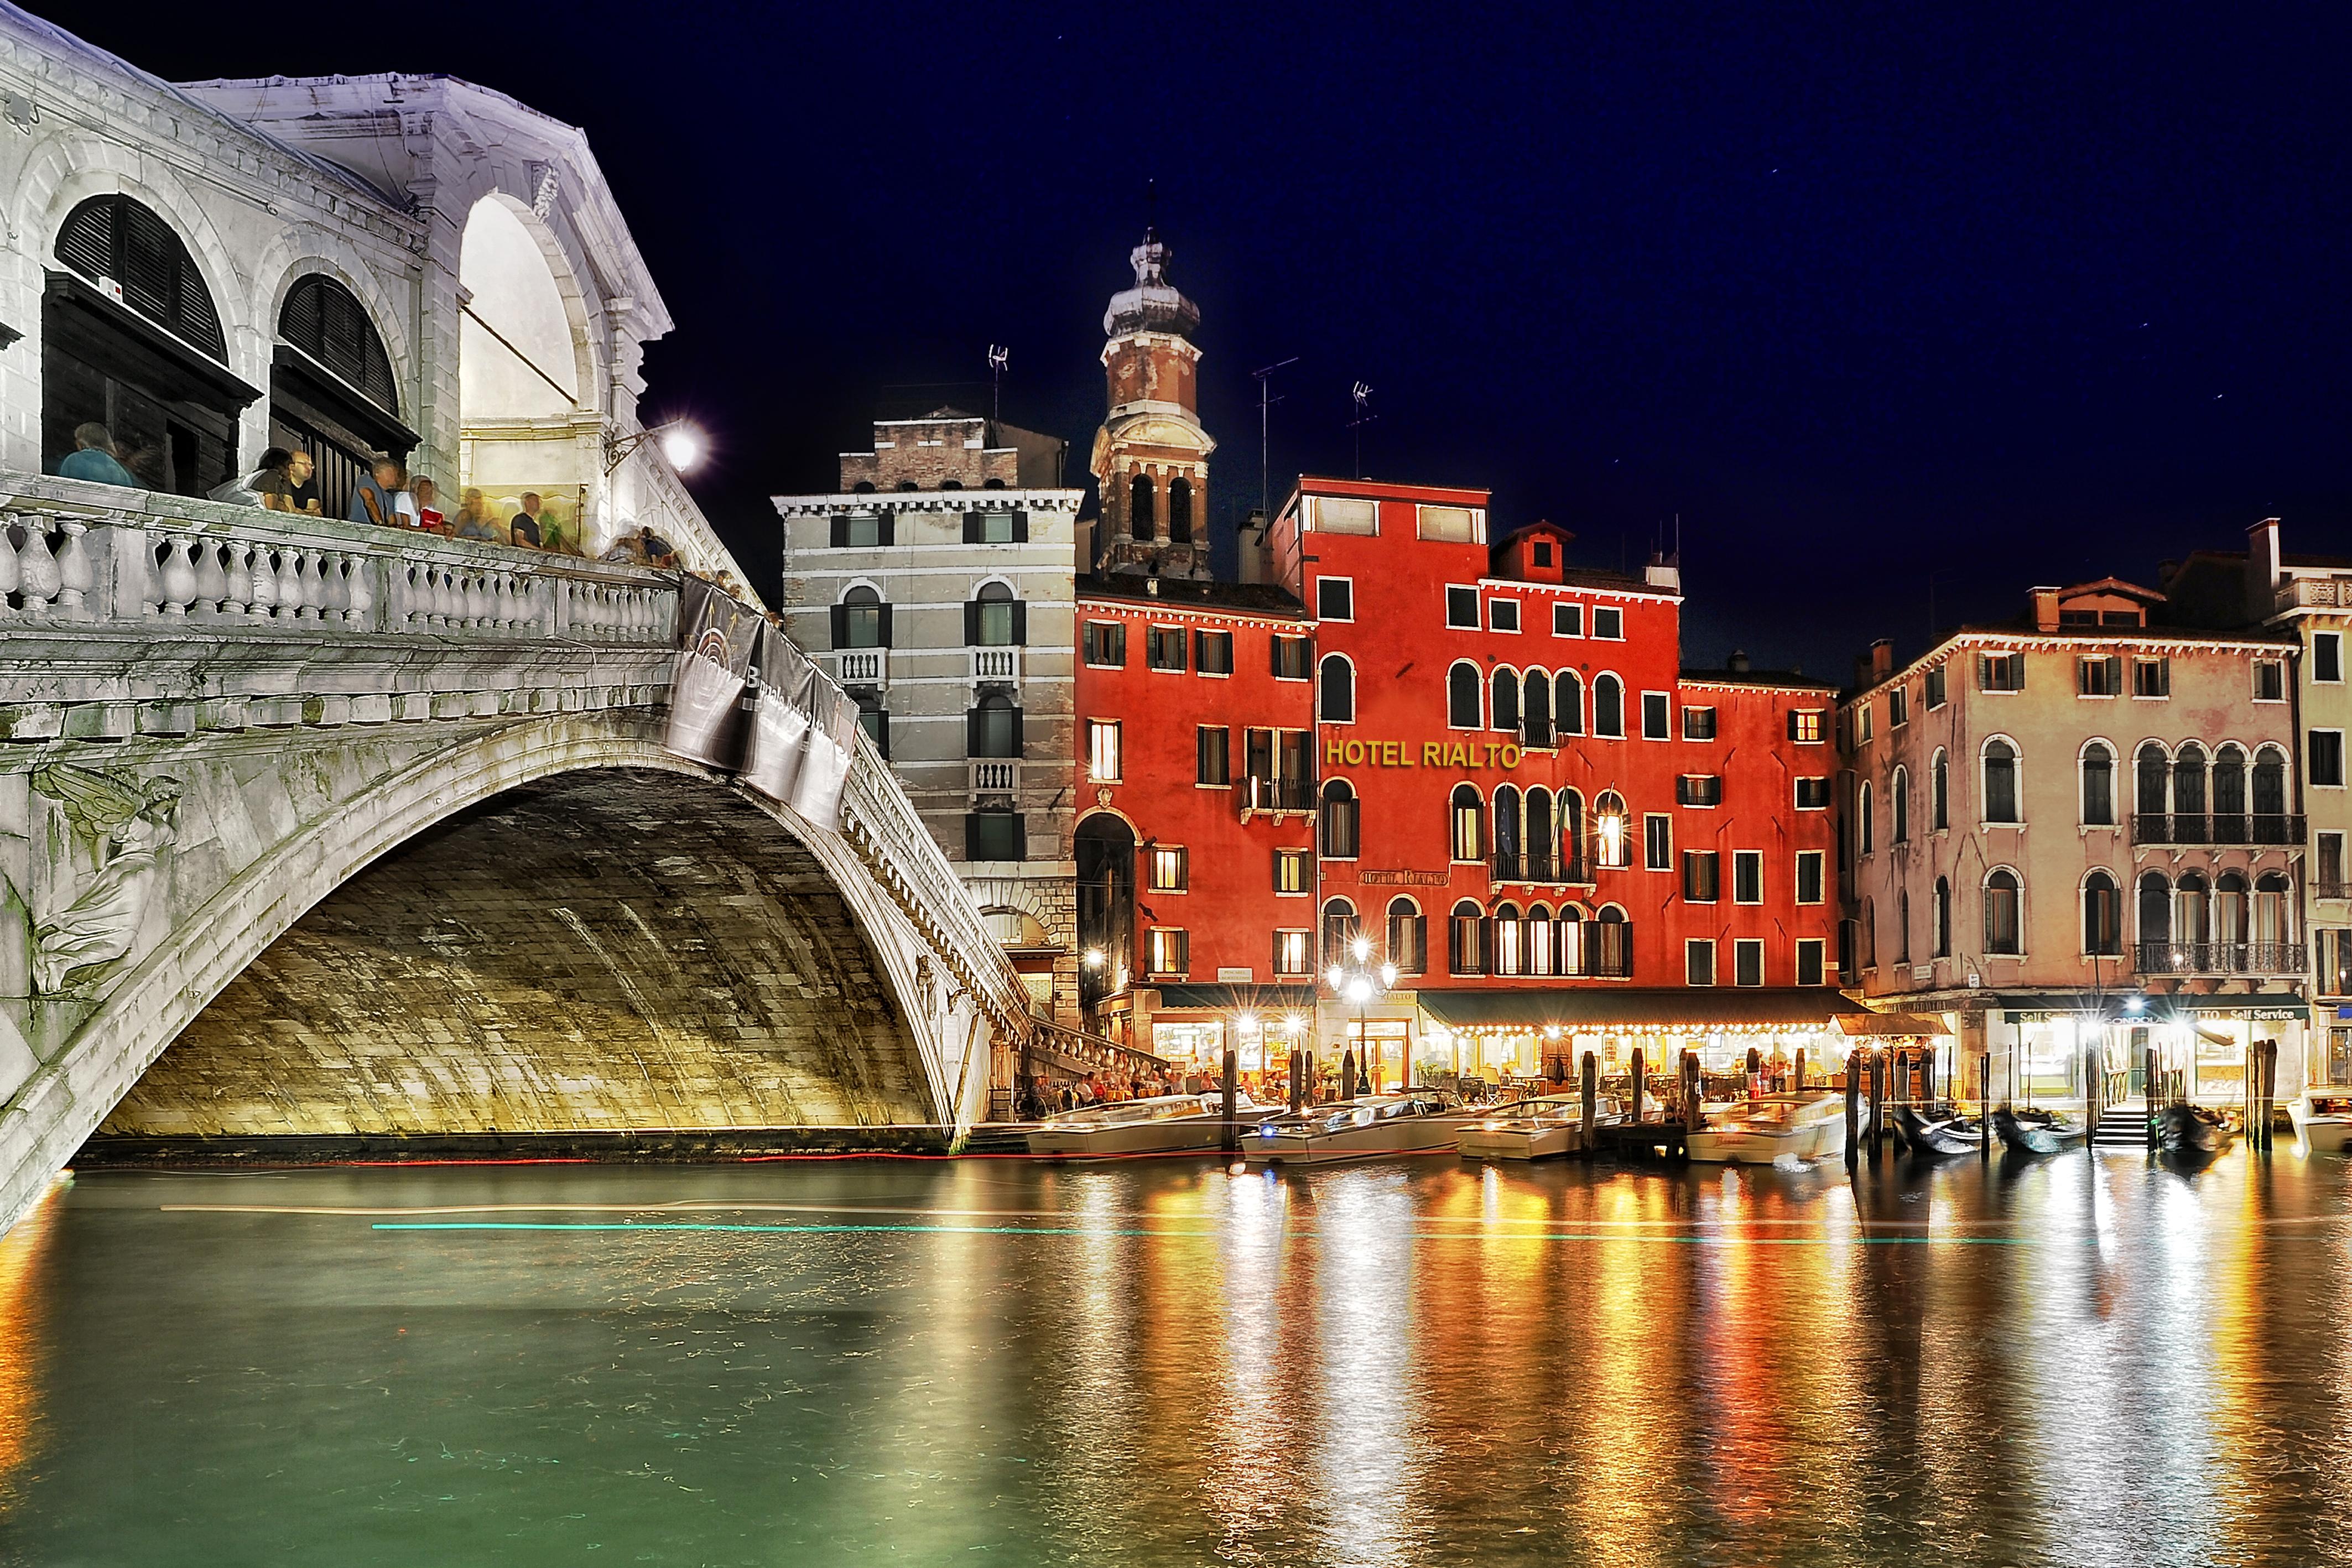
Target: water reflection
[[2057, 1361]]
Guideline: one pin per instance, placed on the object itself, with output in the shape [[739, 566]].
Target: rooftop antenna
[[1265, 402], [997, 356], [1362, 395], [1151, 209]]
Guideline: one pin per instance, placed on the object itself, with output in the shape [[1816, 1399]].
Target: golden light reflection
[[23, 1302]]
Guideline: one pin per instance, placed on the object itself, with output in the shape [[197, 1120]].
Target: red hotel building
[[1485, 762]]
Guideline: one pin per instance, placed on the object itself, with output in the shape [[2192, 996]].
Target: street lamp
[[1359, 983], [681, 446]]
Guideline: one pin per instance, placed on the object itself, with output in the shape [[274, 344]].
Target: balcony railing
[[993, 775], [2335, 888], [2316, 592], [1540, 867], [1257, 794], [999, 665], [1539, 734], [2217, 828], [2219, 958], [861, 667]]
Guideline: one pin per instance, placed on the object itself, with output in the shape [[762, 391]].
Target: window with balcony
[[1163, 648], [1462, 608], [1809, 869], [993, 728], [994, 619], [2329, 866], [1698, 724], [1103, 750], [1535, 712], [2152, 677], [1701, 876], [1212, 652], [861, 620], [1171, 869], [1106, 644]]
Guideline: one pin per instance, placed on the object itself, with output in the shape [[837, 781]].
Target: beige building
[[2078, 836]]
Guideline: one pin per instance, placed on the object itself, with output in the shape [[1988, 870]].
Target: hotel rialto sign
[[1462, 754]]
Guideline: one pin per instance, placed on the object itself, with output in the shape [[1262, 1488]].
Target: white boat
[[2323, 1119], [1761, 1131], [1417, 1122], [1535, 1129], [1163, 1124]]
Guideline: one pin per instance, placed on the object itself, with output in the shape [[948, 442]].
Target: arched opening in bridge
[[608, 951], [519, 396], [1105, 850]]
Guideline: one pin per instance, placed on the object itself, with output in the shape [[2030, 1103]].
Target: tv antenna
[[1362, 395], [1265, 402], [997, 356]]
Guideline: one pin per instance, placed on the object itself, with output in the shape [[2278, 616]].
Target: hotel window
[[2003, 929], [1107, 644], [1163, 648], [1657, 841], [1698, 961], [1340, 820], [1805, 727], [1293, 952], [1934, 684], [1809, 961], [1466, 940], [1608, 707], [2328, 656], [1171, 872], [1747, 876], [1567, 620], [2270, 681], [2327, 758], [1293, 870], [1335, 599], [1809, 876], [1293, 657], [1812, 794], [1748, 962], [2098, 676], [1336, 693], [2151, 677], [1408, 947], [1462, 608], [1701, 876], [1212, 652], [993, 727], [1455, 525], [1102, 750], [1503, 615], [1698, 724], [1212, 752], [2001, 672], [1462, 697], [1612, 834], [1898, 708], [1608, 623], [1699, 789], [1170, 950], [1467, 815]]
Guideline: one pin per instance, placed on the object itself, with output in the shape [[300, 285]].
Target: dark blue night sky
[[1871, 296]]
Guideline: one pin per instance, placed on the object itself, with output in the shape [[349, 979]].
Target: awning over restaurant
[[1879, 1025], [1224, 998], [1692, 1009]]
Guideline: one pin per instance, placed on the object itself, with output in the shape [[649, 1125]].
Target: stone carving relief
[[128, 825]]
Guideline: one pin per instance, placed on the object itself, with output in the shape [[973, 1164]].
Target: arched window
[[1613, 831], [1568, 703], [117, 237], [1336, 690], [1504, 711], [1462, 697], [1507, 833], [334, 397], [1339, 821], [1942, 916], [2232, 917], [1408, 947], [1569, 935], [2004, 929], [1542, 847], [995, 617], [1899, 804], [1466, 823], [2189, 793], [1543, 948], [1466, 939], [327, 321], [2229, 790], [1865, 829], [906, 486], [1903, 925], [2000, 782], [996, 725], [951, 484], [1534, 702], [861, 620], [2155, 912], [1341, 927], [2103, 916], [2151, 781], [2191, 909], [2274, 919], [863, 488], [2269, 796], [1140, 500], [1939, 792], [1179, 511], [991, 483], [2099, 787], [1511, 940], [1608, 944], [1571, 836], [1609, 707]]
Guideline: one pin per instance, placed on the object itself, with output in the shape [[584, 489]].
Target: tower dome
[[1153, 305]]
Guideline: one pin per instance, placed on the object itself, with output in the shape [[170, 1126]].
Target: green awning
[[1694, 1008], [1233, 994], [1879, 1025]]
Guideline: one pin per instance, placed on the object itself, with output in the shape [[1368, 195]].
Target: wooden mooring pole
[[2153, 1091], [1231, 1085], [1853, 1107], [1984, 1105], [1635, 1111], [1590, 1071], [1878, 1066]]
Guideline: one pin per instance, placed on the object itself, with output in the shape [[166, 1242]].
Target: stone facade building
[[390, 265], [937, 585]]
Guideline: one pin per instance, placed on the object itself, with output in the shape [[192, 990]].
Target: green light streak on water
[[1726, 1239]]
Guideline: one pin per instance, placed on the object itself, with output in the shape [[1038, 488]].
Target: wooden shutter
[[971, 527], [1020, 623], [886, 626], [889, 531], [841, 530], [972, 737], [971, 622], [1020, 530], [841, 625]]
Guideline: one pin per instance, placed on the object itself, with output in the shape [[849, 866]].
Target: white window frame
[[1667, 716], [1575, 608], [1797, 805], [1492, 604], [1757, 857], [1741, 945], [2278, 664], [1474, 623], [1667, 818], [1714, 719], [1714, 969], [1477, 522], [1318, 524], [1600, 636], [1096, 729], [1820, 877], [1347, 620], [1821, 960]]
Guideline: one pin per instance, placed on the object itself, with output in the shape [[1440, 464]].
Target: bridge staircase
[[2122, 1125]]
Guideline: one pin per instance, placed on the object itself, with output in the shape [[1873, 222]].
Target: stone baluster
[[334, 588], [39, 580], [359, 593], [399, 593], [290, 582], [236, 576], [264, 576], [179, 574], [76, 577], [494, 600], [448, 607], [211, 583], [477, 611], [12, 575]]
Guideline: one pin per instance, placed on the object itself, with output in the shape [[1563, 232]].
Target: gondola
[[2191, 1131], [2036, 1132], [1934, 1136]]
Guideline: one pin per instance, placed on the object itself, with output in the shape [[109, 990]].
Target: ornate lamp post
[[1358, 982]]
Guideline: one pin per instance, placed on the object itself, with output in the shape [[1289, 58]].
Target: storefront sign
[[1432, 754], [2275, 1015], [1403, 878]]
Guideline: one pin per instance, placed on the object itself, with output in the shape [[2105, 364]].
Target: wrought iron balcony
[[2217, 828], [1274, 795], [2219, 958], [1547, 868], [1539, 734]]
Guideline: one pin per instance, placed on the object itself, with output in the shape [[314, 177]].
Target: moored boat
[[2036, 1132], [1763, 1132], [1536, 1129], [1416, 1121], [2323, 1120], [1931, 1134], [1163, 1124], [2191, 1131]]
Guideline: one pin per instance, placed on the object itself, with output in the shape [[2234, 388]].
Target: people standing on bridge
[[523, 531], [428, 521], [474, 518], [93, 458], [375, 500]]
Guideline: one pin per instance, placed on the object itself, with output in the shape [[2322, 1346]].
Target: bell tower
[[1151, 456]]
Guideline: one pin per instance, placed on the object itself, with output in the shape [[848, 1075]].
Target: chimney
[[2262, 568], [1738, 663], [1882, 659], [2045, 602]]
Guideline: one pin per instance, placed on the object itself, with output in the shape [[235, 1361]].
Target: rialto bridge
[[316, 828]]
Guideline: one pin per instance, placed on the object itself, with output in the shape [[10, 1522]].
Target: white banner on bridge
[[779, 726]]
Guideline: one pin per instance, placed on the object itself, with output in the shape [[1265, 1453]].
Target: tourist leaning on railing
[[93, 458]]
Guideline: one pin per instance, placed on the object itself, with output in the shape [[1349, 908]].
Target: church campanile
[[1151, 456]]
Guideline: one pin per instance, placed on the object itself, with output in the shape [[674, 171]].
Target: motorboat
[[1764, 1131], [2192, 1130], [2034, 1132], [1537, 1129], [1415, 1122], [1163, 1124], [2323, 1119], [1937, 1131]]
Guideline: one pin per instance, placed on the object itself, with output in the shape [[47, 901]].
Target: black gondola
[[2036, 1132], [2190, 1131], [1934, 1135]]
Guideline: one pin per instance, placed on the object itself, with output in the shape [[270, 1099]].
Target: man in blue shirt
[[93, 458], [372, 498]]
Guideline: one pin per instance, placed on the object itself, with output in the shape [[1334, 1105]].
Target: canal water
[[2087, 1360]]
